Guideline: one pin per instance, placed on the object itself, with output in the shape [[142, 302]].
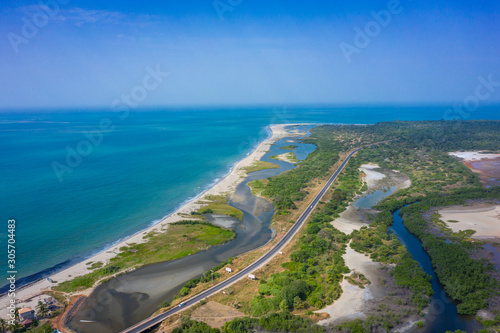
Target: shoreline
[[100, 249], [222, 186]]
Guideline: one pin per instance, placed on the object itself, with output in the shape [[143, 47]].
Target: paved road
[[153, 321]]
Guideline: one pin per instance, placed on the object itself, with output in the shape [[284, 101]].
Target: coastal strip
[[29, 293]]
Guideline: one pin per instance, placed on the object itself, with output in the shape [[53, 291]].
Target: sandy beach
[[29, 295]]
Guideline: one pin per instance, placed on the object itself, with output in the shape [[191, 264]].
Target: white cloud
[[75, 15], [82, 16]]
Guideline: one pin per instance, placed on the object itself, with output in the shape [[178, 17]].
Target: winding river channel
[[134, 296], [442, 315]]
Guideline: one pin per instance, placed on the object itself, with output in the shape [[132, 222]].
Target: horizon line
[[45, 109]]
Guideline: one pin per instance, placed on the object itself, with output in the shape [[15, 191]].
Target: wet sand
[[351, 219], [488, 171], [351, 303], [381, 183]]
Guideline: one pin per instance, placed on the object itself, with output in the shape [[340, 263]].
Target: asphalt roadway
[[153, 321]]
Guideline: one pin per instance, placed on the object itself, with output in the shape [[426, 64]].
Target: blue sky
[[89, 53]]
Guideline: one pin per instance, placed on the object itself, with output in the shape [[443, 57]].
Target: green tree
[[41, 309], [297, 288], [284, 305], [239, 325], [297, 303], [192, 326]]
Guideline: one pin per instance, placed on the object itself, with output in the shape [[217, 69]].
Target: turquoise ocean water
[[146, 167]]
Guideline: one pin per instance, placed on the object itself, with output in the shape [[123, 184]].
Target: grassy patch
[[217, 204], [260, 165], [257, 186], [289, 147], [59, 297], [358, 280], [47, 327], [292, 158], [181, 240], [95, 265], [287, 157]]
